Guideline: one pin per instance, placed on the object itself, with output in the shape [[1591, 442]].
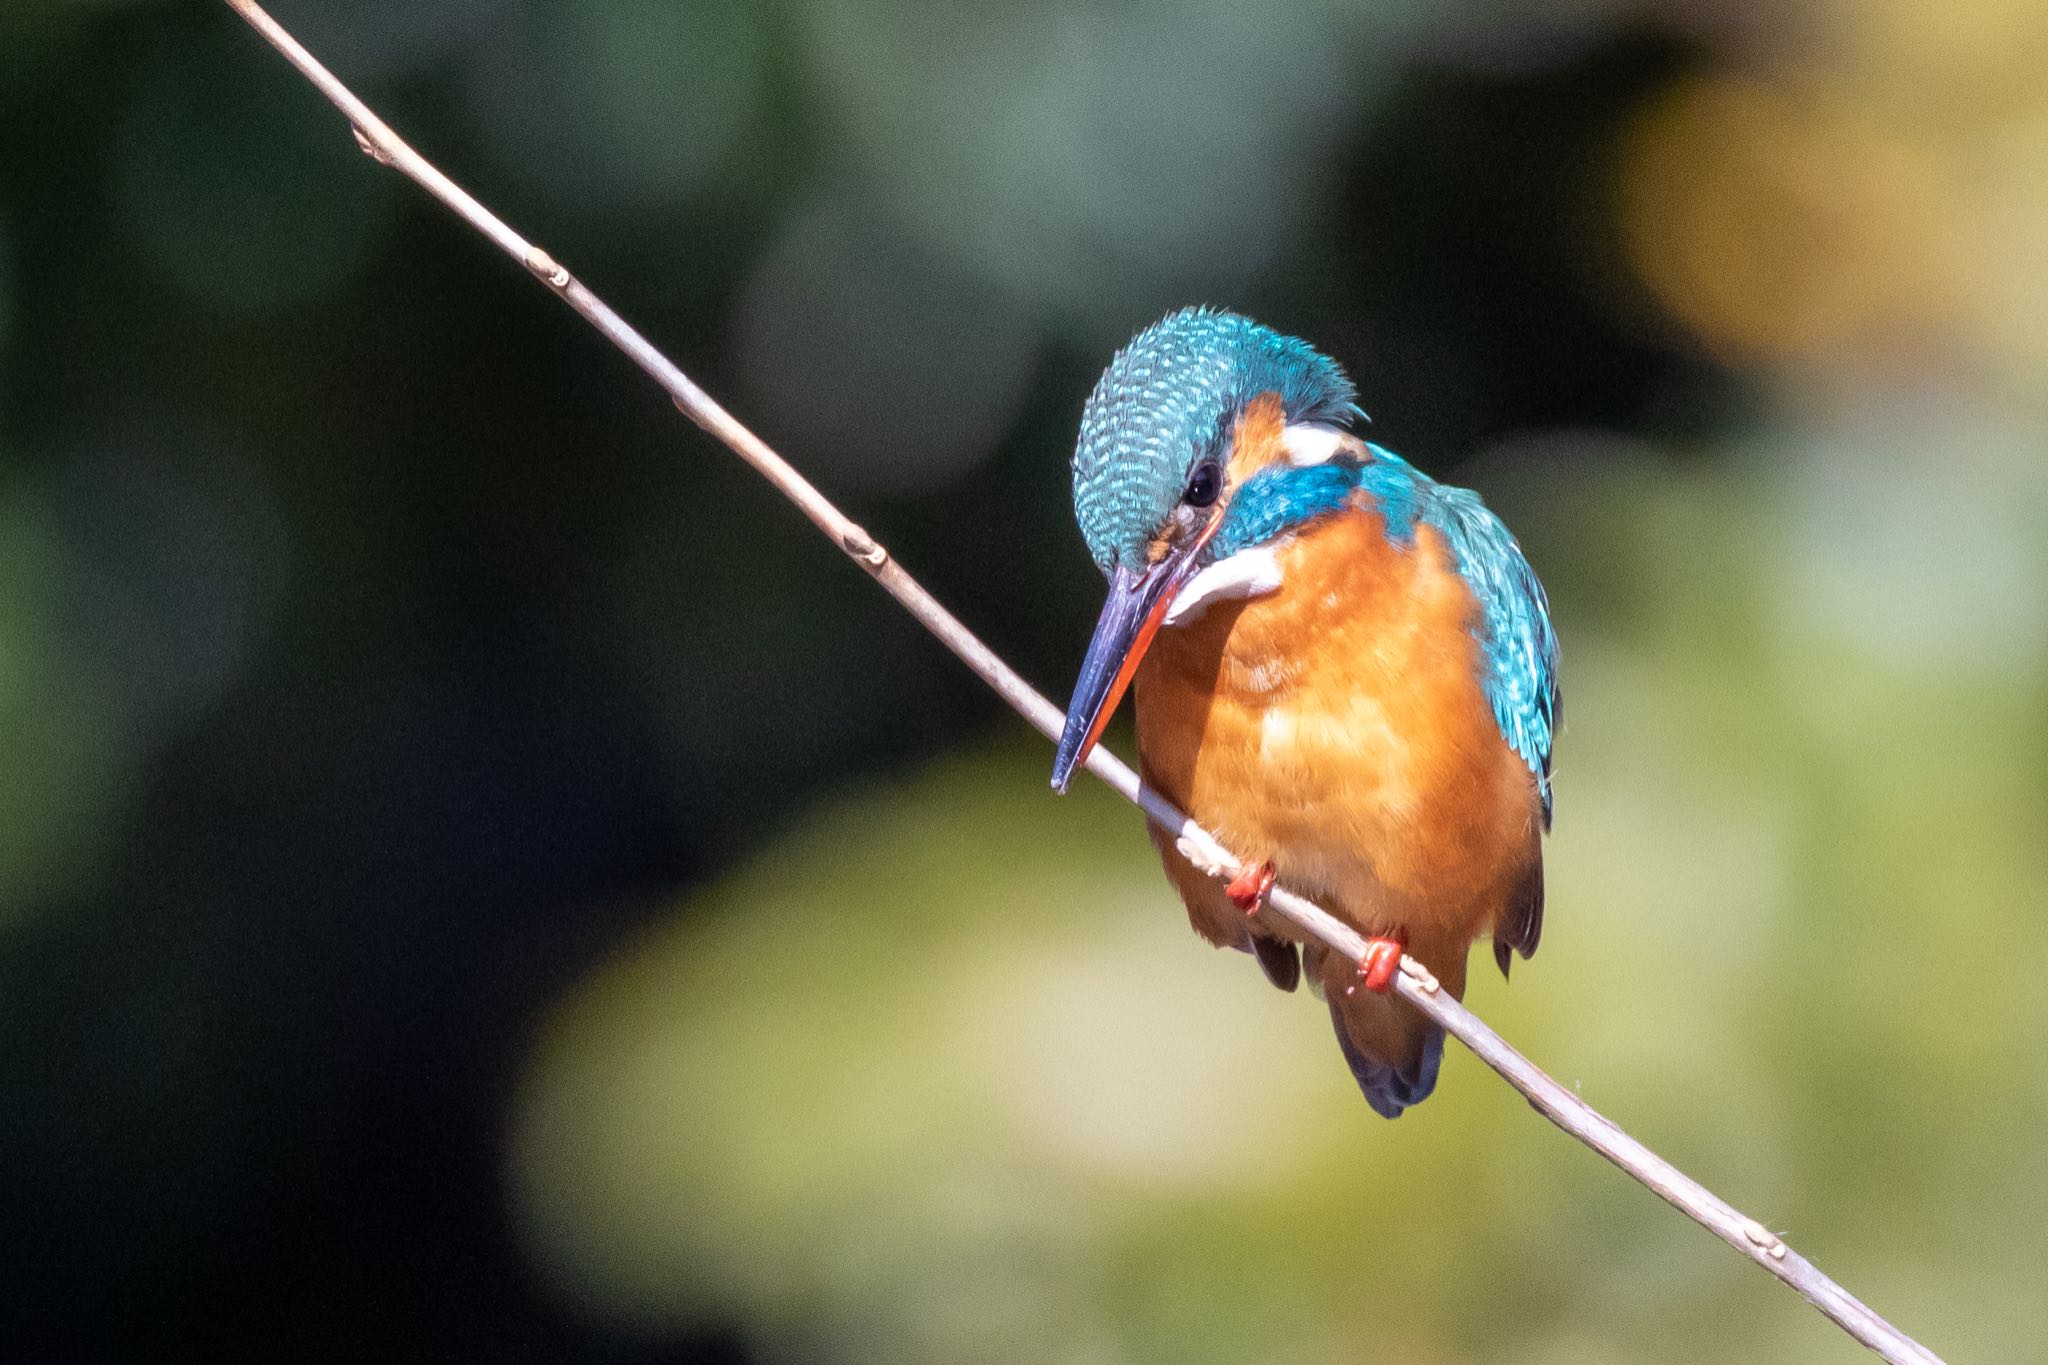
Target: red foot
[[1381, 963], [1247, 890]]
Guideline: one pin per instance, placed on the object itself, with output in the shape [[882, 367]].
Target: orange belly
[[1339, 728]]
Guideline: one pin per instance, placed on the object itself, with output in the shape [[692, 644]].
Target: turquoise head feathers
[[1166, 403]]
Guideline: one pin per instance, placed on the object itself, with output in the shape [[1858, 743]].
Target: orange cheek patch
[[1258, 440]]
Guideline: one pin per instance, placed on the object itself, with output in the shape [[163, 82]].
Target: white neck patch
[[1310, 443], [1248, 573]]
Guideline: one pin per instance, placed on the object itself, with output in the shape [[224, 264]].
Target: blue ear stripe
[[1281, 498]]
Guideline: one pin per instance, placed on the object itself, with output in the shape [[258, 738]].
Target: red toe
[[1247, 890], [1381, 963]]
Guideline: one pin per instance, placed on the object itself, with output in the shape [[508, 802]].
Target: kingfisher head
[[1195, 405]]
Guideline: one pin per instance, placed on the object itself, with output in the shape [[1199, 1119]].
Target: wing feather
[[1520, 645]]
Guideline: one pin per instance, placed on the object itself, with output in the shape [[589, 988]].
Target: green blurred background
[[481, 880]]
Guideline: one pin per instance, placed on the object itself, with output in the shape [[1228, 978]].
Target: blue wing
[[1521, 647]]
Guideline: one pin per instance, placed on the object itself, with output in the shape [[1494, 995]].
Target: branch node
[[1205, 858], [369, 148], [864, 547], [547, 269], [1759, 1235], [693, 413], [1420, 975]]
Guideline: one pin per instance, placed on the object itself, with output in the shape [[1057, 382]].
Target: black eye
[[1205, 485]]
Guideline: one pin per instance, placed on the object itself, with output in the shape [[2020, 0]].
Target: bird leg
[[1247, 890], [1382, 961]]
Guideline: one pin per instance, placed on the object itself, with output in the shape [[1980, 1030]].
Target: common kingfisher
[[1343, 669]]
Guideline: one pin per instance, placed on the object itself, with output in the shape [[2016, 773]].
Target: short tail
[[1391, 1088]]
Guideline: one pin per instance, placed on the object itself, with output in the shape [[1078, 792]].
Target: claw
[[1381, 963], [1247, 890]]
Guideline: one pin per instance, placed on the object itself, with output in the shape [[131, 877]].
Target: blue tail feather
[[1389, 1089]]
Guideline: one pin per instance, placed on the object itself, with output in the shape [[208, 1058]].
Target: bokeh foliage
[[481, 880]]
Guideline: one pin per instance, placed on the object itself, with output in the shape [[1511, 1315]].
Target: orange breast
[[1339, 727]]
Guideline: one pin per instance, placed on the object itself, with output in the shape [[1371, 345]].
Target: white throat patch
[[1248, 573]]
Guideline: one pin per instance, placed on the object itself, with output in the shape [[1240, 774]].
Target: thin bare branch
[[1416, 984]]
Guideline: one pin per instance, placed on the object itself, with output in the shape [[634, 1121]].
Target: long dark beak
[[1138, 600]]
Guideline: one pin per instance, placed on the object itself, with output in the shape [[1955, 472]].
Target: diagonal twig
[[1415, 983]]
